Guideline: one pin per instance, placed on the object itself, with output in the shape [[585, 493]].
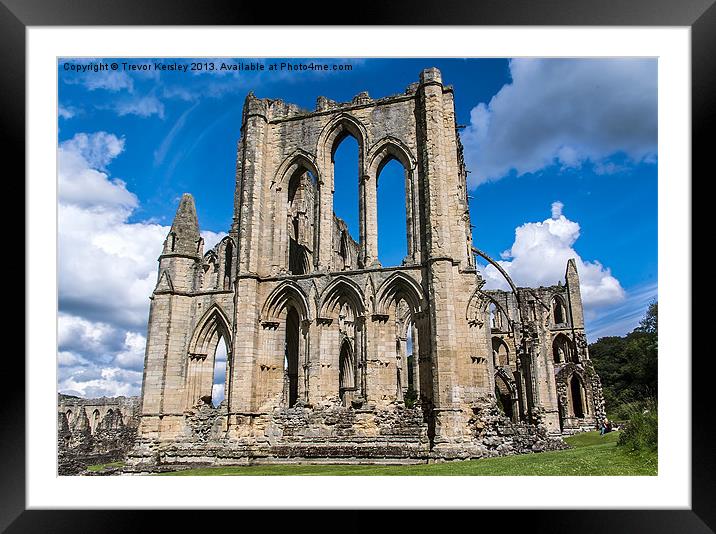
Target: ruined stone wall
[[558, 353], [94, 431], [315, 325], [346, 251]]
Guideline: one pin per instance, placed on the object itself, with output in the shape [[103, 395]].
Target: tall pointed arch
[[213, 324], [387, 149], [395, 192], [559, 309], [336, 130], [295, 161], [226, 262], [292, 239], [286, 294], [333, 133], [563, 350], [340, 291], [400, 286], [500, 352], [477, 307]]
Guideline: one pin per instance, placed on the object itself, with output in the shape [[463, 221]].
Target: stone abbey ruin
[[330, 355]]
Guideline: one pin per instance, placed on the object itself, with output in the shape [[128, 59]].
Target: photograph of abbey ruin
[[289, 341]]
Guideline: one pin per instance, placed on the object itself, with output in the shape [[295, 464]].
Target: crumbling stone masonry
[[94, 431], [541, 361], [319, 363]]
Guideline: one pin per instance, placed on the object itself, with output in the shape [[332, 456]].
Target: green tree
[[628, 365], [649, 323]]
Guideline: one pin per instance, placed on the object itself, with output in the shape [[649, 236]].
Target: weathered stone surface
[[106, 436], [319, 365]]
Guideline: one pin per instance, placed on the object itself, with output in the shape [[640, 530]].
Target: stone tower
[[330, 354]]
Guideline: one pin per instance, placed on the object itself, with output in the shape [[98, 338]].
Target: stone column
[[324, 238], [255, 137], [279, 252], [360, 356], [434, 157], [247, 338], [369, 217], [416, 362]]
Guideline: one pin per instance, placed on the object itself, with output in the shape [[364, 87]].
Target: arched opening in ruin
[[559, 310], [392, 181], [346, 369], [500, 352], [503, 396], [68, 414], [218, 384], [563, 351], [228, 261], [402, 328], [210, 269], [400, 301], [346, 168], [406, 370], [301, 224], [209, 359], [95, 421], [344, 251], [342, 310], [576, 390], [108, 421], [498, 321], [290, 366], [411, 366]]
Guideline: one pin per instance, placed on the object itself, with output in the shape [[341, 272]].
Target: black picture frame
[[699, 15]]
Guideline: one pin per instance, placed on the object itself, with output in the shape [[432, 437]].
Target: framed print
[[297, 325]]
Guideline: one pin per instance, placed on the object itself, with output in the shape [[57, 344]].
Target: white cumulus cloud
[[108, 381], [108, 80], [107, 270], [144, 106], [564, 112], [132, 355], [539, 255], [65, 112], [82, 180]]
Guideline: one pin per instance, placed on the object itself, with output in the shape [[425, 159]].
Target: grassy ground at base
[[591, 454], [100, 467]]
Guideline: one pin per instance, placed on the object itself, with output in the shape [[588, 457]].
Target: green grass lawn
[[100, 467], [591, 454]]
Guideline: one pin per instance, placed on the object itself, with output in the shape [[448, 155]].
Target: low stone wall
[[336, 434]]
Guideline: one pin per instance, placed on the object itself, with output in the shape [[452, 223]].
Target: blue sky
[[562, 155]]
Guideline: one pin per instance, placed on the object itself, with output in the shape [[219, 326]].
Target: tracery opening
[[392, 182], [577, 397], [218, 387], [291, 356], [500, 353], [498, 321], [346, 366], [559, 311], [503, 395], [345, 158], [301, 220], [562, 350]]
